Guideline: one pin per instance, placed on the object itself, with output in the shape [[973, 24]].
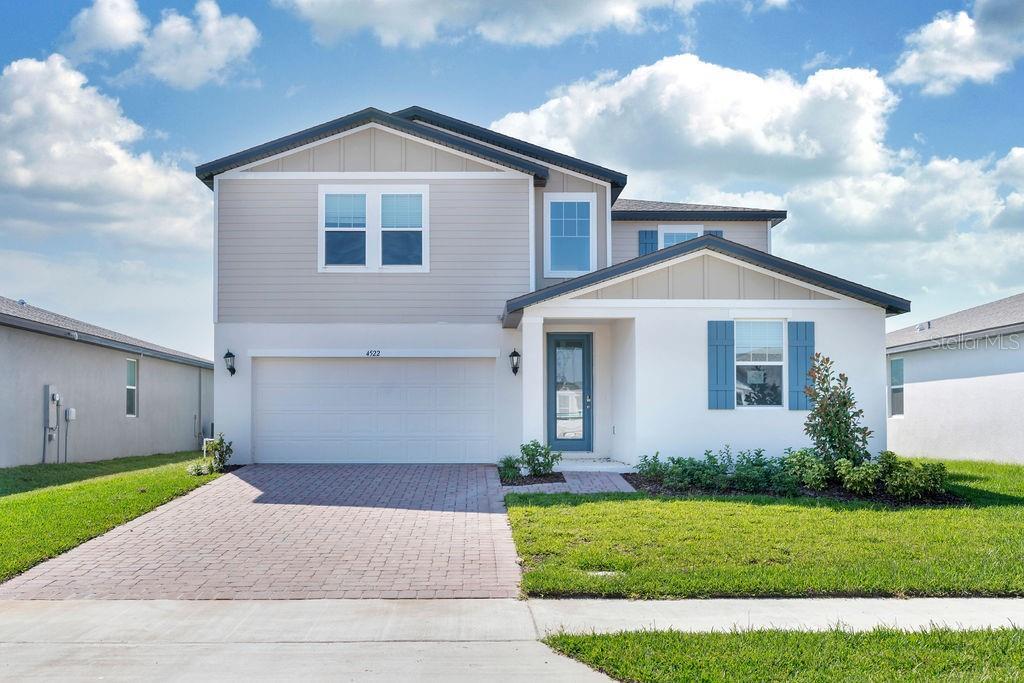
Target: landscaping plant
[[216, 454], [834, 422], [538, 458], [508, 468]]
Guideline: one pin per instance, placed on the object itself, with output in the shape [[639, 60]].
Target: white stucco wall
[[962, 402]]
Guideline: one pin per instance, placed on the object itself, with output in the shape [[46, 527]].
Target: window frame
[[374, 228], [662, 229], [891, 386], [589, 197], [131, 387], [784, 363]]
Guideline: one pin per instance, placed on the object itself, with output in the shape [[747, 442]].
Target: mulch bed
[[658, 488], [553, 478]]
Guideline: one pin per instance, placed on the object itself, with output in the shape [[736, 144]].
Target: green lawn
[[881, 655], [634, 545], [48, 509]]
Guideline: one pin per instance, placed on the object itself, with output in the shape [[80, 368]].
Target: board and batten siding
[[267, 256], [626, 237]]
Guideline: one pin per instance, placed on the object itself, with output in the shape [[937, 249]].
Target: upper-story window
[[674, 234], [570, 233], [759, 348], [367, 228]]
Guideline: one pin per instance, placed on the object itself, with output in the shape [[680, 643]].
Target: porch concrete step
[[583, 464]]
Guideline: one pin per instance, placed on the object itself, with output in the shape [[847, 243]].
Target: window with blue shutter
[[721, 353], [801, 352], [648, 241]]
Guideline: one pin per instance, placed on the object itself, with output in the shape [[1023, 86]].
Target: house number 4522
[[373, 353]]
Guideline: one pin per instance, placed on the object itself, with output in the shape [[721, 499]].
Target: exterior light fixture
[[229, 362], [513, 361]]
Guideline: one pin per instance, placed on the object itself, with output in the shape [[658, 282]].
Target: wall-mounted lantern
[[229, 362], [513, 361]]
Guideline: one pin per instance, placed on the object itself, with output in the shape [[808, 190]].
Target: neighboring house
[[956, 384], [127, 396], [378, 275]]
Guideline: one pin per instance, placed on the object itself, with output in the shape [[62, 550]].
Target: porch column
[[534, 359]]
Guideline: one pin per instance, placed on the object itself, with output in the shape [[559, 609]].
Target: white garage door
[[374, 409]]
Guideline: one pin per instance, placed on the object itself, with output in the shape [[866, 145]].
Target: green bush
[[652, 467], [860, 480], [833, 424], [907, 481], [807, 467], [752, 472], [538, 458], [508, 468], [216, 454]]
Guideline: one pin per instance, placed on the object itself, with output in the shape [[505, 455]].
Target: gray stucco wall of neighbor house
[[963, 402], [91, 379]]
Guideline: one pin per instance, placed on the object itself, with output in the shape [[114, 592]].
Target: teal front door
[[570, 394]]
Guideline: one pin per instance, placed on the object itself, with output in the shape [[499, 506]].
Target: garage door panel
[[374, 410]]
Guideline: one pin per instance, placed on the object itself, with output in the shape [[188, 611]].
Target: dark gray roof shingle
[[646, 210], [11, 309], [991, 316]]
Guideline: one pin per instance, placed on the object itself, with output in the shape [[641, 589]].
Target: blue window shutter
[[801, 351], [716, 233], [721, 365], [648, 241]]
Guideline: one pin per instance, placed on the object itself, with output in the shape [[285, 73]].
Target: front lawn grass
[[880, 655], [635, 545], [48, 509]]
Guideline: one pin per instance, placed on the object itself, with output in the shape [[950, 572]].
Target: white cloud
[[695, 120], [686, 130], [187, 54], [180, 51], [105, 26], [168, 304], [821, 59], [956, 48], [67, 166], [526, 22]]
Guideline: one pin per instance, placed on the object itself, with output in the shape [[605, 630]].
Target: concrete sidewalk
[[389, 639]]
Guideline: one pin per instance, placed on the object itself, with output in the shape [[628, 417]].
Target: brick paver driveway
[[302, 531]]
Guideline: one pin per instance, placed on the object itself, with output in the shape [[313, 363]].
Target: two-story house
[[409, 287]]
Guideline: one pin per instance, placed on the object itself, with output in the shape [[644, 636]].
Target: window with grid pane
[[570, 236], [759, 362], [401, 223], [345, 229], [131, 392]]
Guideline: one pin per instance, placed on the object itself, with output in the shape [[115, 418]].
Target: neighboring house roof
[[23, 316], [644, 210], [207, 171], [616, 179], [892, 304], [997, 317]]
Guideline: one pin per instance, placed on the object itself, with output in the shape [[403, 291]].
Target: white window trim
[[549, 197], [891, 386], [784, 363], [374, 241], [132, 386], [662, 229]]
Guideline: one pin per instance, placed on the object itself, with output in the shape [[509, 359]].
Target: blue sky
[[890, 131]]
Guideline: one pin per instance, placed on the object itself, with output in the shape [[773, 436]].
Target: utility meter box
[[70, 415]]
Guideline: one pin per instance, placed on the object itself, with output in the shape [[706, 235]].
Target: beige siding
[[267, 257], [563, 182], [626, 238], [373, 149], [704, 277]]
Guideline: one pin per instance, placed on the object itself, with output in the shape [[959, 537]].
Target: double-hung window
[[674, 234], [570, 233], [364, 228], [131, 390], [895, 386], [759, 346]]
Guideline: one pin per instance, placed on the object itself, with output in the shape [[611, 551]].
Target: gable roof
[[892, 304], [645, 210], [616, 179], [207, 171], [23, 316], [996, 317]]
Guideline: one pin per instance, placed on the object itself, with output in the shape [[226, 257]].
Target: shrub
[[651, 467], [218, 452], [198, 468], [508, 468], [906, 480], [860, 480], [935, 477], [833, 423], [538, 458], [751, 472], [807, 468]]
